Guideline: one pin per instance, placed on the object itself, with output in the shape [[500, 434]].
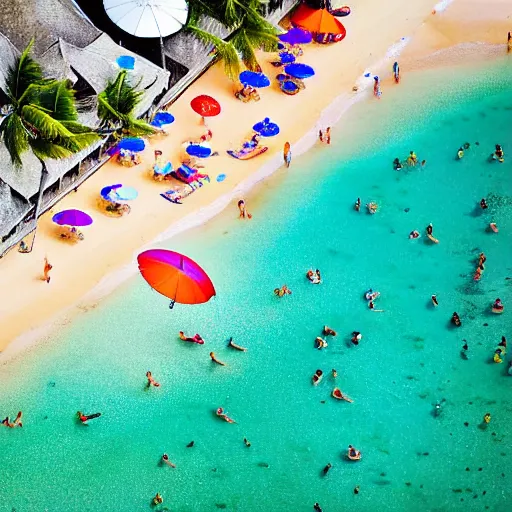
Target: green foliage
[[43, 116], [116, 106], [250, 31]]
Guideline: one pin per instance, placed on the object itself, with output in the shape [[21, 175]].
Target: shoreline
[[198, 215]]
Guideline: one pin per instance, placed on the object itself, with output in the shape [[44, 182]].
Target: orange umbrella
[[319, 21], [175, 276]]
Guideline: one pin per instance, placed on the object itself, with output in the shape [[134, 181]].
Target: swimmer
[[487, 417], [151, 380], [483, 204], [165, 460], [313, 276], [247, 443], [503, 343], [430, 229], [371, 305], [318, 276], [498, 154], [317, 508], [329, 332], [320, 343], [397, 165], [464, 351], [481, 259], [356, 337], [192, 339], [326, 469], [235, 346], [372, 208], [423, 163], [284, 290], [434, 300], [498, 305], [456, 320], [84, 418], [460, 153], [412, 159], [414, 234], [353, 454], [215, 360], [493, 227], [243, 211], [220, 413], [334, 373], [497, 356], [356, 489], [157, 500], [478, 273], [357, 205]]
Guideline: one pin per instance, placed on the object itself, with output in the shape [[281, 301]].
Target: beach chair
[[289, 87]]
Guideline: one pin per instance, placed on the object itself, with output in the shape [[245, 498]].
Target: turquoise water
[[408, 360]]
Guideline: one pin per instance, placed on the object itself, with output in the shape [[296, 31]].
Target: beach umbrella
[[108, 193], [162, 119], [126, 62], [205, 106], [318, 21], [298, 70], [289, 86], [148, 18], [287, 58], [254, 79], [296, 36], [134, 144], [175, 276], [75, 218], [198, 150], [266, 128], [126, 193]]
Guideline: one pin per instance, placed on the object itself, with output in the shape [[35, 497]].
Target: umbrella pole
[[162, 54]]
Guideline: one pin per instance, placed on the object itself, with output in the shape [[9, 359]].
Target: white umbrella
[[148, 18]]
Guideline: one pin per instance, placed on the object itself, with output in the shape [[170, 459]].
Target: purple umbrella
[[296, 36], [75, 218]]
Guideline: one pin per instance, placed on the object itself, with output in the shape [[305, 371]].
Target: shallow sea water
[[408, 360]]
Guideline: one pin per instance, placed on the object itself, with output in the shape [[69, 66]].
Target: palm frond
[[138, 128], [44, 150], [225, 50], [24, 72], [15, 137], [245, 48], [45, 126]]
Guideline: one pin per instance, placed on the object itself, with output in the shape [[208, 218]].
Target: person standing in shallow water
[[244, 214]]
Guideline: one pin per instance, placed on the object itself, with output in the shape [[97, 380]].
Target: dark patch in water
[[411, 377], [478, 143], [464, 118], [51, 384], [408, 484], [382, 482], [225, 232], [486, 324], [407, 210], [383, 474], [467, 469], [457, 490], [466, 424], [263, 465], [221, 505], [412, 287]]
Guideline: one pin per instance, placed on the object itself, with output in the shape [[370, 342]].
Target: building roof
[[8, 55], [96, 63], [12, 209]]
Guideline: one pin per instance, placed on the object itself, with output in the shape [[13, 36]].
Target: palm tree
[[41, 117], [116, 106], [250, 31]]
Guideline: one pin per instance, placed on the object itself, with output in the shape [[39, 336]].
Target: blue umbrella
[[72, 218], [162, 119], [287, 58], [288, 85], [296, 36], [126, 193], [198, 151], [266, 128], [109, 192], [126, 62], [299, 70], [131, 144], [254, 79]]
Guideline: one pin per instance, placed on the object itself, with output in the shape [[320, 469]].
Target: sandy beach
[[83, 272]]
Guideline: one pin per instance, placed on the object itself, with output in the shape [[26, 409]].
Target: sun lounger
[[177, 193]]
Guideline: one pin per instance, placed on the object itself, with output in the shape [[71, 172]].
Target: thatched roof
[[8, 55], [96, 63], [47, 21], [186, 49], [12, 209], [55, 65]]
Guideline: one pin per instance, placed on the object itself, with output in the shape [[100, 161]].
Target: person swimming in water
[[317, 507], [215, 360], [456, 320], [434, 300], [483, 204], [481, 259], [460, 153], [326, 469], [498, 154], [314, 276], [221, 414], [414, 234], [464, 350], [397, 165], [191, 339], [84, 418], [244, 214], [328, 331], [320, 343], [353, 454], [356, 337], [281, 292], [165, 460], [412, 159], [151, 380], [357, 205], [158, 499]]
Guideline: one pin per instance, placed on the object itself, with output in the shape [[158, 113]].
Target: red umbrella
[[205, 106]]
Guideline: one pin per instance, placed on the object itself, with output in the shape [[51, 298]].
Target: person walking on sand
[[509, 42], [376, 87], [287, 154], [46, 272], [325, 137], [396, 73], [244, 214]]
